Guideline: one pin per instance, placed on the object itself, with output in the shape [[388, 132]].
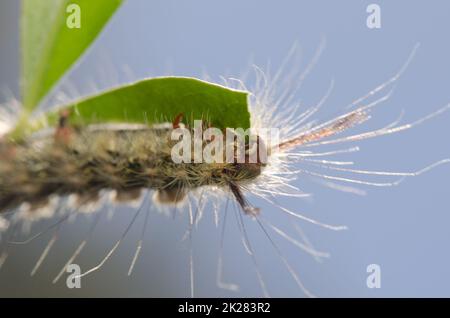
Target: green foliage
[[50, 47], [161, 100]]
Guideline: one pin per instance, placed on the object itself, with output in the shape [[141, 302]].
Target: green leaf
[[153, 101], [49, 47]]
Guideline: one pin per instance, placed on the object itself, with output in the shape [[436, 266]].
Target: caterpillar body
[[86, 161]]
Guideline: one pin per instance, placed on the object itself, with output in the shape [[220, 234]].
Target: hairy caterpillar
[[80, 162], [86, 161]]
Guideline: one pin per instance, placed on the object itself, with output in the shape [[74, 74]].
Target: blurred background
[[403, 229]]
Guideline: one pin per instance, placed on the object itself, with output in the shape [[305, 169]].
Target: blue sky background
[[404, 229]]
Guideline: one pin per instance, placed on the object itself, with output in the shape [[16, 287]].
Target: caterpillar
[[75, 165]]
